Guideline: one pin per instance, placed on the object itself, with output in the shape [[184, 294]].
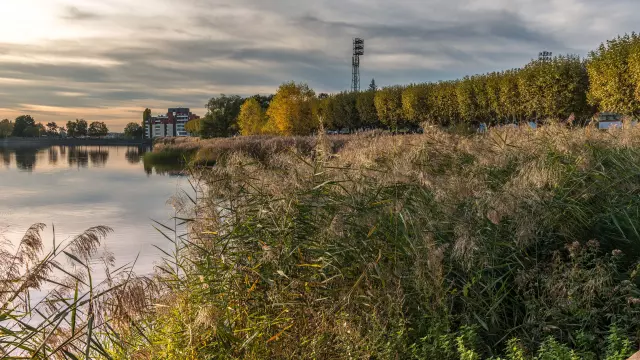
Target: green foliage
[[97, 129], [365, 104], [412, 247], [222, 115], [77, 128], [6, 128], [618, 345], [553, 350], [23, 125], [134, 130]]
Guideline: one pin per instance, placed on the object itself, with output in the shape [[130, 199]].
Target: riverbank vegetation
[[513, 244]]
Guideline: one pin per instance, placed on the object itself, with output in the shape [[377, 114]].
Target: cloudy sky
[[107, 60]]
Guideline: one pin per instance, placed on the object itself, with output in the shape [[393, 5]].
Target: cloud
[[108, 60], [73, 13]]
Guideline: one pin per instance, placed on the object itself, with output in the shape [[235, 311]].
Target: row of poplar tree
[[559, 88]]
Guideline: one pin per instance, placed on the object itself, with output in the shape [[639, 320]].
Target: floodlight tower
[[545, 56], [358, 50]]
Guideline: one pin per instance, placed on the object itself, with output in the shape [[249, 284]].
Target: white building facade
[[169, 125]]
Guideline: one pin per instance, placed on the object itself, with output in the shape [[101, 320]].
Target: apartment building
[[171, 124]]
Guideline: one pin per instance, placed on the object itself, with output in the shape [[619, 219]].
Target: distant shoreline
[[36, 142]]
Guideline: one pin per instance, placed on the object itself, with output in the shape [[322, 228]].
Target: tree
[[134, 130], [194, 127], [292, 110], [21, 124], [146, 119], [98, 129], [71, 129], [366, 107], [611, 71], [252, 118], [373, 86], [52, 129], [389, 106], [6, 128], [222, 115], [415, 103], [81, 127]]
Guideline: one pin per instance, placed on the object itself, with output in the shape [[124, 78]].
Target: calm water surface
[[75, 188]]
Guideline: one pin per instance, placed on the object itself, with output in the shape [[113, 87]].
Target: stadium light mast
[[545, 56], [358, 50]]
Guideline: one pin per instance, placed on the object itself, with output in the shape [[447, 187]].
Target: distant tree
[[222, 115], [292, 110], [98, 129], [72, 129], [134, 130], [415, 103], [263, 100], [52, 129], [81, 127], [194, 127], [21, 124], [33, 131], [6, 128], [252, 118], [146, 118], [373, 86], [389, 106], [366, 107]]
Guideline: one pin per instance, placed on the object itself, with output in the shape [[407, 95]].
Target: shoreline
[[38, 142]]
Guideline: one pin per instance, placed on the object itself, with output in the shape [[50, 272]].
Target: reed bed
[[514, 244]]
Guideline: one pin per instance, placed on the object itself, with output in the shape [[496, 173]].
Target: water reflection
[[26, 158], [53, 156], [77, 187], [29, 159]]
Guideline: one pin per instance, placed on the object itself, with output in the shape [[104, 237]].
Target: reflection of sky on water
[[75, 188]]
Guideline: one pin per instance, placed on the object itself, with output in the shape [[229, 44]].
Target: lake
[[75, 188]]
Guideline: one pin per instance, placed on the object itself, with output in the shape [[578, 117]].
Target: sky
[[108, 60]]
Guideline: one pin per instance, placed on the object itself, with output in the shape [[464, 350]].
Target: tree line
[[561, 88], [26, 126]]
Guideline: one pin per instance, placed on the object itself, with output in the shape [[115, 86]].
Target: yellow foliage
[[292, 110], [252, 118]]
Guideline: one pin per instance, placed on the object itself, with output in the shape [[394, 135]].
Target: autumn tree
[[415, 103], [388, 102], [252, 118], [194, 127], [292, 110], [613, 75]]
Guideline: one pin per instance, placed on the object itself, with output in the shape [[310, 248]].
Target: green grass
[[515, 244]]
